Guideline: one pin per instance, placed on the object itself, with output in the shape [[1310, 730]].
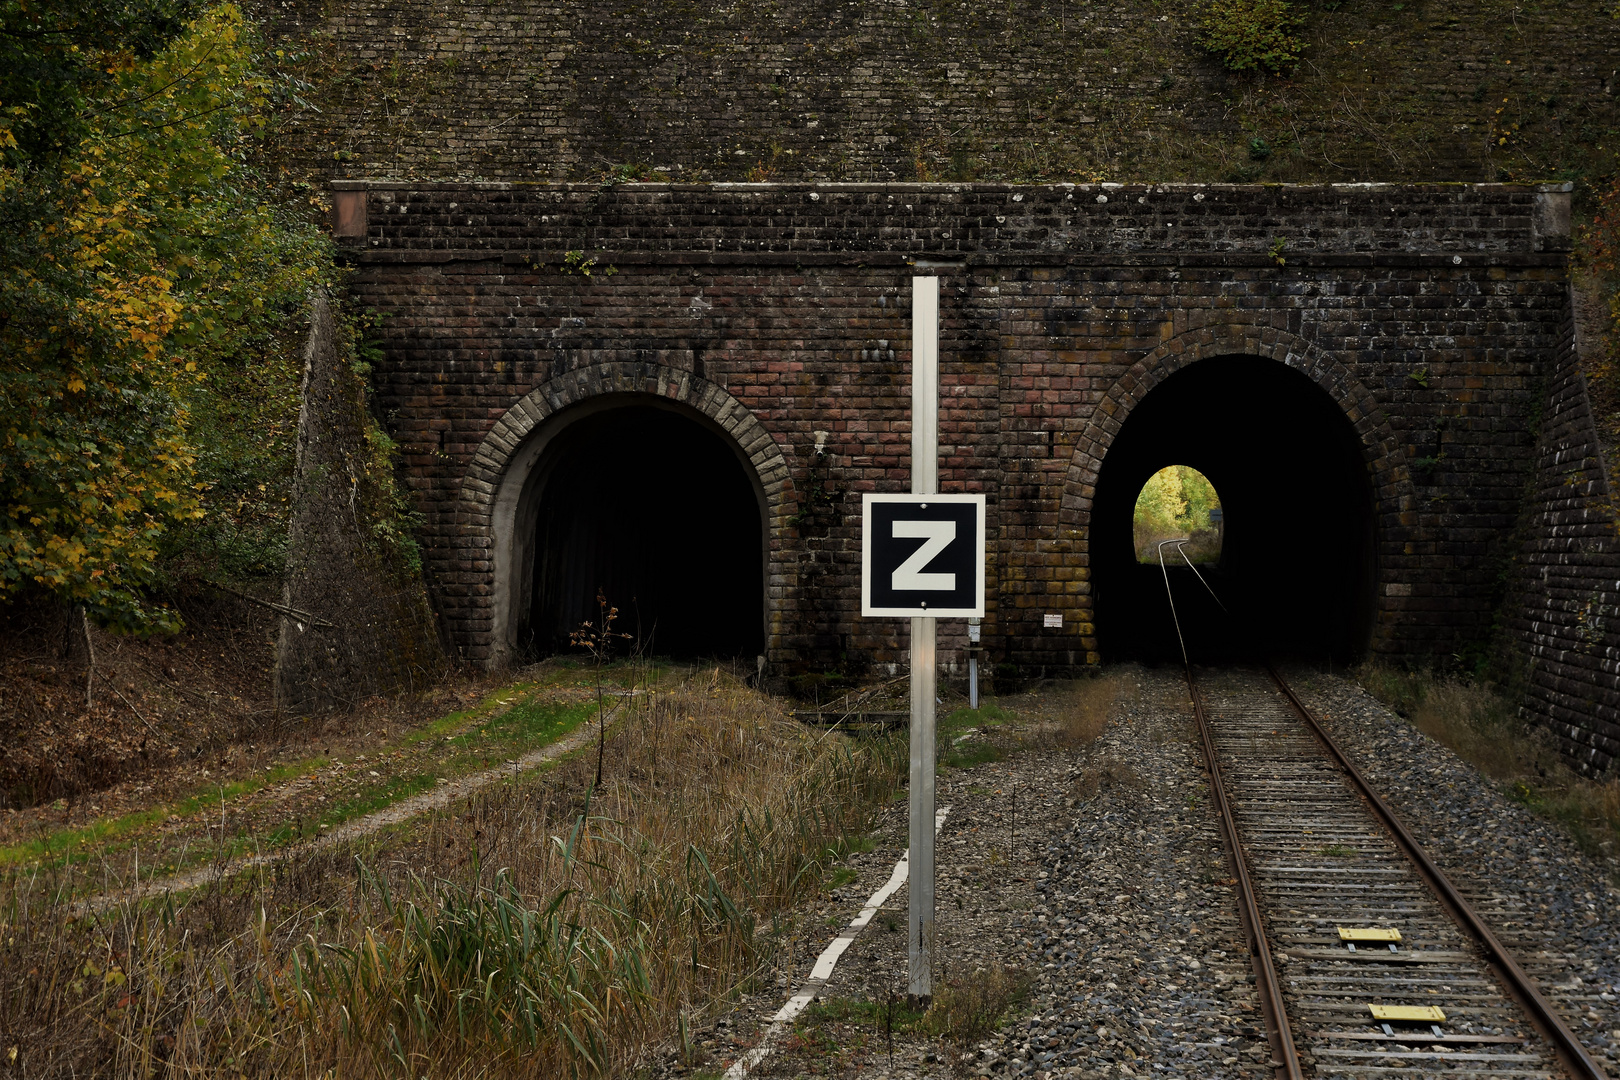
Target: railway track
[[1355, 936]]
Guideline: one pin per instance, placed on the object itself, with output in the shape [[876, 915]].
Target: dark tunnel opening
[[658, 512], [1295, 571]]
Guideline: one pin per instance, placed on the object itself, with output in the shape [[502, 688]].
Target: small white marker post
[[924, 481], [973, 663]]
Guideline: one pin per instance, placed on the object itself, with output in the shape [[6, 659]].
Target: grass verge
[[505, 725], [1483, 728], [539, 928]]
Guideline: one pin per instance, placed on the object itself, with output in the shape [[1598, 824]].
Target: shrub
[[966, 1011], [1249, 35]]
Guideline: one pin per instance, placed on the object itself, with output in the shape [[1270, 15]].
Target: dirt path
[[298, 788], [446, 793]]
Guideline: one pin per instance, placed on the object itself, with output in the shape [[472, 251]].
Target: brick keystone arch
[[492, 487], [1392, 490]]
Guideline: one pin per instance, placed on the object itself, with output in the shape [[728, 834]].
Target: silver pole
[[924, 481], [973, 663]]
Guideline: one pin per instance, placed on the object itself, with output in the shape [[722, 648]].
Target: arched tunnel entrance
[[657, 510], [1295, 569]]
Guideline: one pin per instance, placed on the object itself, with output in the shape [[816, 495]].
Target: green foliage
[[577, 262], [1176, 502], [148, 283], [1253, 35], [60, 59]]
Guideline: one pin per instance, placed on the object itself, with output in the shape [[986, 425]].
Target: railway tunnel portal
[[1295, 575], [633, 503], [1388, 370]]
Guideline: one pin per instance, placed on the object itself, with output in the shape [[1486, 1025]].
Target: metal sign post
[[924, 481], [922, 558]]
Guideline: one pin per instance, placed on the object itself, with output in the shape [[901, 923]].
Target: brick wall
[[908, 90], [1563, 607], [1432, 315]]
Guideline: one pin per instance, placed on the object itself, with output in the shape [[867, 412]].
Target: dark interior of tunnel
[[657, 511], [1296, 568]]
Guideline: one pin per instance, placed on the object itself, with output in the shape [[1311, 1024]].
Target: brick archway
[[1390, 479], [493, 484]]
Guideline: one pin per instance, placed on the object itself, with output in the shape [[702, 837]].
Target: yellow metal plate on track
[[1423, 1014], [1369, 933]]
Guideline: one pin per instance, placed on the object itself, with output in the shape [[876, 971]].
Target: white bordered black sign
[[922, 555]]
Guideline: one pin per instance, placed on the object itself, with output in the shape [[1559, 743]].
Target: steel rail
[[1518, 984], [1273, 1009], [1285, 1057]]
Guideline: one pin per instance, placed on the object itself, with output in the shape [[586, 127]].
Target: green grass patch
[[529, 723], [969, 755], [62, 843], [973, 751], [841, 876], [988, 714], [374, 797], [507, 723], [66, 844], [861, 1013]]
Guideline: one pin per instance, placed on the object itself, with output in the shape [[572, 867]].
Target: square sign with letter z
[[922, 555]]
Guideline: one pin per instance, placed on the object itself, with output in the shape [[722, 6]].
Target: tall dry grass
[[1085, 706], [1481, 725], [544, 929]]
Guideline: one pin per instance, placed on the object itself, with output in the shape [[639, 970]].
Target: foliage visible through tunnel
[[1177, 501]]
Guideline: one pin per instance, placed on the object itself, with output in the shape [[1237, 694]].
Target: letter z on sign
[[922, 555]]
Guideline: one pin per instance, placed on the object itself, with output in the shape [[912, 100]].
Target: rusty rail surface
[[1519, 985], [1273, 1010]]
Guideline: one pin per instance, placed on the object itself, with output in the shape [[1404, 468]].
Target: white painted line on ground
[[825, 964]]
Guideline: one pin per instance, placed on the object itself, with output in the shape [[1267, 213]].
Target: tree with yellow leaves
[[1176, 502], [141, 264]]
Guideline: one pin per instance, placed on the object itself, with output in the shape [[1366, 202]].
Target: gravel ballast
[[1550, 903], [1113, 904]]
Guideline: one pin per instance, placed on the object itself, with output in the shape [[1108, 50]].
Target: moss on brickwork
[[353, 564], [944, 90]]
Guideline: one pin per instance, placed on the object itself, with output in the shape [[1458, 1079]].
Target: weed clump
[[966, 1011], [1086, 709], [1253, 35]]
